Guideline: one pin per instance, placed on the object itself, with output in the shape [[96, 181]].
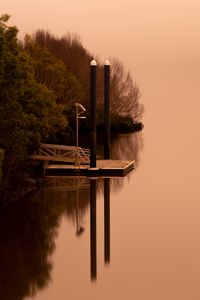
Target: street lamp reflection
[[79, 229]]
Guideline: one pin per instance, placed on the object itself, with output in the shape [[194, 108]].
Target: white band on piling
[[93, 63], [107, 63]]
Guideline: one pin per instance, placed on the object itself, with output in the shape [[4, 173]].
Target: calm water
[[130, 238]]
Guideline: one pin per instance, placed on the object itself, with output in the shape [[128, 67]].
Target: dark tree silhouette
[[125, 93]]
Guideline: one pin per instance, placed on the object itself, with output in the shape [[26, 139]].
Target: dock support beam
[[107, 110], [93, 67]]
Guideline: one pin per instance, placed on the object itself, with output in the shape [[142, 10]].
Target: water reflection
[[93, 221], [29, 227], [107, 220], [93, 230], [79, 228], [127, 147], [27, 233]]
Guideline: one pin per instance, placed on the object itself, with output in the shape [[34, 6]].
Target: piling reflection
[[29, 227], [93, 225], [107, 220], [93, 230]]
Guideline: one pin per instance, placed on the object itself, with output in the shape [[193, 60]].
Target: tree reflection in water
[[27, 232], [28, 227], [127, 147]]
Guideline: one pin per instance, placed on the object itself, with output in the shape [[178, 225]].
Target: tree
[[53, 73], [28, 111], [124, 93], [76, 59]]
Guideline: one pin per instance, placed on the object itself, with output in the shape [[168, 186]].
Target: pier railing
[[61, 153]]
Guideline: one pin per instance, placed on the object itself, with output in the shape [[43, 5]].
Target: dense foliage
[[41, 78], [68, 52], [29, 113]]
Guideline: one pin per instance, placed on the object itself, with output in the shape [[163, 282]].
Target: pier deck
[[115, 168]]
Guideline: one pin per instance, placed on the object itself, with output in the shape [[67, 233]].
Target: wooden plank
[[113, 164], [107, 168]]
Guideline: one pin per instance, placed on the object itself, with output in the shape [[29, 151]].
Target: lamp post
[[80, 109]]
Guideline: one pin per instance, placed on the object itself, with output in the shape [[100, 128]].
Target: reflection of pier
[[76, 184], [93, 226], [62, 184]]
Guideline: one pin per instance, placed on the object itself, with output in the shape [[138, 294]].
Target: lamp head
[[80, 106]]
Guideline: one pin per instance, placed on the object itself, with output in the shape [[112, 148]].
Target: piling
[[93, 67], [107, 110]]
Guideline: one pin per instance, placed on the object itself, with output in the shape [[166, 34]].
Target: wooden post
[[107, 110], [93, 67]]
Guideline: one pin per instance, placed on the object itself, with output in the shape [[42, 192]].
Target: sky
[[157, 41], [143, 34]]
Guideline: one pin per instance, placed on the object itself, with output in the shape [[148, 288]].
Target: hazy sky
[[152, 38], [135, 31]]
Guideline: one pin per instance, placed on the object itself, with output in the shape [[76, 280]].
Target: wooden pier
[[105, 168], [59, 160]]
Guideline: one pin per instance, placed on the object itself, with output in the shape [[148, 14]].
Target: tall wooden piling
[[93, 143], [107, 110]]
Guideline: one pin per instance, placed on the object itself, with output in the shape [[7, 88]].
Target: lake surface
[[129, 238]]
